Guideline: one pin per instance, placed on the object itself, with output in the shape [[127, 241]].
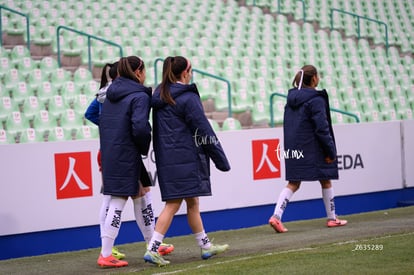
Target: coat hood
[[176, 90], [297, 97], [121, 87]]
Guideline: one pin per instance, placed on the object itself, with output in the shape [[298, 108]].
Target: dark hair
[[109, 72], [128, 65], [171, 72], [308, 71]]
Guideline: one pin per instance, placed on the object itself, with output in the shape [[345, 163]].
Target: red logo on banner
[[266, 164], [73, 175]]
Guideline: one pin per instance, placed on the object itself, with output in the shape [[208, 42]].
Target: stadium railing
[[89, 37], [359, 17], [18, 13]]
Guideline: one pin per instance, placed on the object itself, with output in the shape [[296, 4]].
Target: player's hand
[[329, 160]]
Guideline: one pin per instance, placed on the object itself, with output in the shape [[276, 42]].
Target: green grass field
[[380, 242]]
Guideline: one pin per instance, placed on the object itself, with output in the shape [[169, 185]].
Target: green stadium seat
[[18, 53], [12, 76], [278, 110], [91, 87], [71, 118], [58, 134], [36, 77], [17, 121], [8, 105], [31, 106], [21, 90], [26, 65], [260, 113], [242, 101], [44, 121], [6, 138], [56, 105], [48, 64], [87, 132], [231, 124], [221, 102], [31, 135], [206, 88], [59, 76], [45, 91], [214, 124], [82, 75]]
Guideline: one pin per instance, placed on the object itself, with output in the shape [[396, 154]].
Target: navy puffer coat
[[184, 142], [125, 135], [308, 136]]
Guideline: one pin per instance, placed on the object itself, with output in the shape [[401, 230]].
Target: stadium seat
[[18, 53], [31, 106], [26, 65], [20, 91], [44, 121], [8, 105], [221, 101], [260, 113], [17, 121], [242, 101], [36, 77], [59, 76], [11, 77], [6, 138], [56, 105], [82, 75], [205, 88], [231, 123], [70, 118], [48, 64], [87, 132], [214, 124], [31, 135], [58, 134]]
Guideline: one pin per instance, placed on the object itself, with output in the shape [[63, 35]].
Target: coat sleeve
[[203, 134], [141, 129], [322, 129], [93, 111]]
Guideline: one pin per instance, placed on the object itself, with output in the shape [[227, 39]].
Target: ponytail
[[109, 73], [128, 65], [104, 75], [171, 73], [303, 77]]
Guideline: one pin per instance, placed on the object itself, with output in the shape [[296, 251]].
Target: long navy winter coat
[[308, 136], [125, 135], [184, 142]]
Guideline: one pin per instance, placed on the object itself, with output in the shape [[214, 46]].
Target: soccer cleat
[[155, 258], [335, 223], [110, 261], [277, 225], [213, 250], [165, 249], [118, 255]]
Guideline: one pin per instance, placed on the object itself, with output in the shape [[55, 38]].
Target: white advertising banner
[[408, 133], [46, 186]]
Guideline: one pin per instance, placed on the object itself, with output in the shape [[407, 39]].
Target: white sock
[[103, 211], [144, 215], [282, 202], [155, 242], [202, 240], [112, 224], [328, 200]]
